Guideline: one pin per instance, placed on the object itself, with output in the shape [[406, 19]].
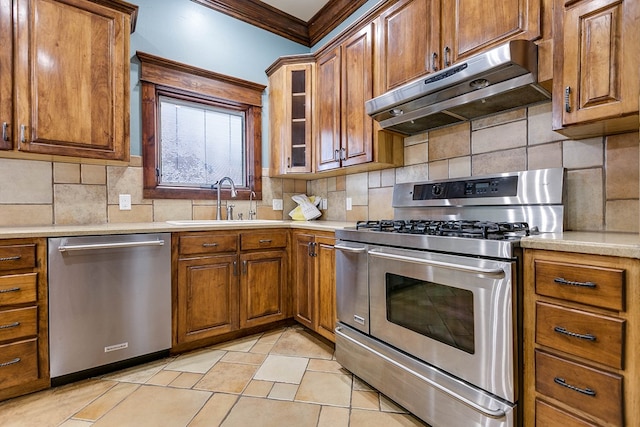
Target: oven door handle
[[498, 272], [350, 249], [493, 413]]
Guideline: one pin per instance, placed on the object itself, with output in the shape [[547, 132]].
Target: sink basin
[[208, 222]]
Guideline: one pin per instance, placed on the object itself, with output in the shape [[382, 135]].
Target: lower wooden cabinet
[[207, 302], [24, 340], [581, 315], [263, 292], [313, 277], [228, 281]]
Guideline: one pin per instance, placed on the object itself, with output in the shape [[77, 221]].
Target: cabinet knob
[[5, 134], [447, 56], [23, 133]]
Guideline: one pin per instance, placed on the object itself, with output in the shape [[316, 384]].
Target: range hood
[[500, 79]]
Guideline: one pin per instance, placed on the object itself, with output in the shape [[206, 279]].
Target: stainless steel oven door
[[453, 312]]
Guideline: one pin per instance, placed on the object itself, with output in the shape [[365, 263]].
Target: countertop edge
[[158, 227], [625, 245]]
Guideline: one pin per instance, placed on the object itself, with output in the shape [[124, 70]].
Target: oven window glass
[[440, 312]]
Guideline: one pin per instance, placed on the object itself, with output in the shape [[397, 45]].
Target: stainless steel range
[[429, 302]]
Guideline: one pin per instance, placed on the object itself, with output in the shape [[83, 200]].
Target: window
[[197, 127], [200, 143]]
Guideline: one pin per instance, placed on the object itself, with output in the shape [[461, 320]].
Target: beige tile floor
[[286, 377]]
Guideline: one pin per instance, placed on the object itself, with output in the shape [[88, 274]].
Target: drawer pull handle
[[563, 331], [6, 291], [209, 245], [586, 391], [10, 325], [10, 362], [563, 281], [11, 258], [265, 241]]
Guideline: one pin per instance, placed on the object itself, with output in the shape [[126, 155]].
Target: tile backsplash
[[602, 179]]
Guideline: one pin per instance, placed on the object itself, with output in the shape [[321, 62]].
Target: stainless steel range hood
[[498, 80]]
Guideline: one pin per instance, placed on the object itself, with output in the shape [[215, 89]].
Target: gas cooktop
[[456, 228]]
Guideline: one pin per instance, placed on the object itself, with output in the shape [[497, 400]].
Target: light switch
[[349, 204], [324, 204], [277, 204], [125, 202]]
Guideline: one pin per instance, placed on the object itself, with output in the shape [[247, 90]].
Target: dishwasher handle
[[95, 246]]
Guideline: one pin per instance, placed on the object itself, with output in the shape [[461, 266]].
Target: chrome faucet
[[252, 213], [234, 193]]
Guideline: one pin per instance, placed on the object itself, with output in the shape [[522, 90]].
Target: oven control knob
[[436, 190]]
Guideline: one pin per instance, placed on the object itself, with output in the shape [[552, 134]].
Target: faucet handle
[[230, 211], [240, 216]]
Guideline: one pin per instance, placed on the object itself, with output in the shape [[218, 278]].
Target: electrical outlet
[[349, 204], [323, 204], [277, 205], [125, 202]]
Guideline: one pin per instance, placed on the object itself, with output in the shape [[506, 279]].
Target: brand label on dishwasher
[[115, 347]]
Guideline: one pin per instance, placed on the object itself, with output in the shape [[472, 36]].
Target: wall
[[602, 179], [602, 173], [187, 32]]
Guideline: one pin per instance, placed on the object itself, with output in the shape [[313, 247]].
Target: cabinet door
[[207, 297], [72, 79], [326, 286], [598, 65], [263, 287], [408, 34], [357, 88], [470, 26], [290, 107], [6, 74], [303, 279], [327, 118]]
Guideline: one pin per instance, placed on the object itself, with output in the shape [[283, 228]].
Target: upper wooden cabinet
[[345, 135], [71, 77], [6, 66], [405, 54], [471, 26], [345, 81], [450, 31], [290, 107], [596, 85]]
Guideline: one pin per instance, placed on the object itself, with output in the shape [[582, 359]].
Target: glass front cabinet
[[290, 112]]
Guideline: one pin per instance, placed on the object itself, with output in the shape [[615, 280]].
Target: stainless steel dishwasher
[[109, 302]]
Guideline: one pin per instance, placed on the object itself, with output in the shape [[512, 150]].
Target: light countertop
[[597, 243], [164, 227]]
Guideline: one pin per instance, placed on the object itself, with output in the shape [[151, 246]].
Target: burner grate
[[456, 228]]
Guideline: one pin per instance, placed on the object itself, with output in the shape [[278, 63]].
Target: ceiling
[[303, 21], [304, 9]]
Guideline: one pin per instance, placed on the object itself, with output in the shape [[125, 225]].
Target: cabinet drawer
[[15, 257], [592, 336], [590, 390], [597, 286], [548, 415], [18, 323], [263, 240], [18, 289], [18, 363], [208, 243]]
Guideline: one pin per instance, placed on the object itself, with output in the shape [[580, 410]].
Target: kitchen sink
[[208, 222]]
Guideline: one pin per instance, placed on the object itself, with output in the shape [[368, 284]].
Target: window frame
[[163, 77]]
